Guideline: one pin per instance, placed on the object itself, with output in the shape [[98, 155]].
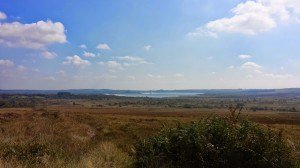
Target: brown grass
[[104, 137]]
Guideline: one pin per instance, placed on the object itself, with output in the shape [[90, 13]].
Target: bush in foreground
[[216, 142]]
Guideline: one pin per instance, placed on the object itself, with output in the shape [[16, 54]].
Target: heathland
[[76, 130]]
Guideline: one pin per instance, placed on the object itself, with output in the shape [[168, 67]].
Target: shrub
[[215, 142]]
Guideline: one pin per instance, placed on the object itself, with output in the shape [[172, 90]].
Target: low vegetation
[[215, 142], [74, 133], [254, 103]]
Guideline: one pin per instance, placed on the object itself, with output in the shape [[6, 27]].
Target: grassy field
[[79, 136]]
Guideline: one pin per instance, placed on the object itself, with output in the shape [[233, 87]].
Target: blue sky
[[133, 44]]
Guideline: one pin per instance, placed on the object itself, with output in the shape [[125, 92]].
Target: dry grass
[[104, 155], [102, 137], [107, 155]]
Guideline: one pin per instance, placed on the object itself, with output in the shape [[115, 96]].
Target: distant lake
[[157, 94]]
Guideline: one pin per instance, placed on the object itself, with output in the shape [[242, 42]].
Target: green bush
[[215, 142]]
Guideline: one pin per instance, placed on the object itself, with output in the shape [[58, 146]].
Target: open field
[[73, 135], [90, 130]]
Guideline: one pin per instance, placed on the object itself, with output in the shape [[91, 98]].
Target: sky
[[149, 44]]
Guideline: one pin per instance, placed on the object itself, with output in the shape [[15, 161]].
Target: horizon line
[[154, 89]]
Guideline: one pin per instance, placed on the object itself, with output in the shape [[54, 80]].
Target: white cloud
[[112, 65], [252, 17], [6, 63], [99, 55], [122, 62], [283, 9], [256, 70], [131, 77], [251, 66], [36, 70], [49, 55], [277, 76], [83, 46], [154, 76], [106, 77], [88, 54], [231, 67], [131, 60], [249, 18], [126, 64], [244, 56], [2, 16], [61, 73], [50, 78], [209, 58], [178, 75], [147, 47], [103, 46], [34, 36], [21, 68], [77, 61], [202, 32], [213, 73], [249, 76]]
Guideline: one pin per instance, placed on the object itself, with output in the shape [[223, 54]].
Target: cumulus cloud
[[2, 16], [249, 76], [251, 66], [61, 73], [154, 76], [126, 64], [122, 62], [112, 64], [231, 67], [131, 60], [34, 35], [252, 17], [257, 70], [277, 76], [6, 63], [21, 68], [249, 18], [49, 55], [106, 77], [50, 78], [131, 77], [202, 32], [147, 47], [88, 54], [83, 46], [77, 61], [209, 58], [178, 75], [103, 46], [244, 56], [36, 70]]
